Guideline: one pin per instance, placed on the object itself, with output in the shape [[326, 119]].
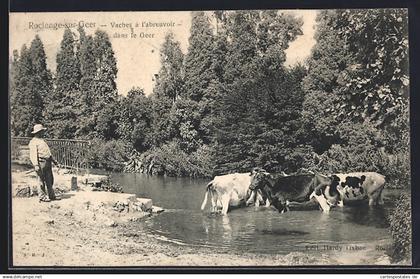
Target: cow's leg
[[380, 197], [218, 203], [203, 205], [341, 193], [225, 203], [257, 202], [213, 202], [267, 203], [258, 198], [322, 201], [377, 196], [371, 201], [251, 198]]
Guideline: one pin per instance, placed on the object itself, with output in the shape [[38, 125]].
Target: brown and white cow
[[350, 187], [228, 190]]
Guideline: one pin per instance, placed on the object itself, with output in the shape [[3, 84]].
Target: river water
[[254, 230]]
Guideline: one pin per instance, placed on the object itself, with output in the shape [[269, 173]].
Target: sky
[[137, 57]]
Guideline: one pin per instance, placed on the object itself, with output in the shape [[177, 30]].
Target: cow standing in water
[[286, 191], [359, 185], [228, 190], [354, 186], [317, 190]]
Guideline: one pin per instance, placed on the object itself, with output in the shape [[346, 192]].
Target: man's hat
[[38, 128]]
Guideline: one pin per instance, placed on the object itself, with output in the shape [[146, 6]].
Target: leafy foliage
[[109, 155], [169, 80], [171, 160], [86, 57], [63, 107], [377, 83], [30, 86], [262, 99], [400, 227], [134, 119]]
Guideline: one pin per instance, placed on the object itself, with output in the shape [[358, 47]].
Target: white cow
[[228, 190]]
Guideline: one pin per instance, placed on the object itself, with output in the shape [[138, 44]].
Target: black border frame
[[170, 5]]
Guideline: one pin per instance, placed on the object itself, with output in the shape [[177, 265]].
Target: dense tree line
[[230, 103]]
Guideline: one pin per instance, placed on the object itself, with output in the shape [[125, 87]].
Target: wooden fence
[[68, 153]]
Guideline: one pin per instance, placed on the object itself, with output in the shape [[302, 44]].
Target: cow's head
[[259, 179], [258, 182], [335, 181]]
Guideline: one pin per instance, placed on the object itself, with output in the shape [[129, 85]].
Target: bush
[[400, 227], [171, 160], [341, 158], [397, 169], [109, 155]]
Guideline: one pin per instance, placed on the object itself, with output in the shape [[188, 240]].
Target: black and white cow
[[286, 192], [351, 187]]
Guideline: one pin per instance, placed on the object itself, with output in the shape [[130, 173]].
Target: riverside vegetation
[[230, 103]]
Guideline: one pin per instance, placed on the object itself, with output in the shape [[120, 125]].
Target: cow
[[228, 190], [358, 186], [286, 192], [353, 186]]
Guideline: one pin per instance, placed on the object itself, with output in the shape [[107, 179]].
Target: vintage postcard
[[270, 138]]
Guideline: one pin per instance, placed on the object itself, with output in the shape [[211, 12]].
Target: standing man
[[42, 160]]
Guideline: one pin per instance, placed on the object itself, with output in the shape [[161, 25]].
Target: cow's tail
[[208, 189]]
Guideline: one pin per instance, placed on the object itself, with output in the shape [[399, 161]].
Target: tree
[[256, 87], [88, 71], [106, 69], [104, 89], [200, 84], [134, 121], [168, 88], [64, 107], [27, 102], [13, 72], [169, 81], [43, 76], [198, 61], [329, 58], [376, 85]]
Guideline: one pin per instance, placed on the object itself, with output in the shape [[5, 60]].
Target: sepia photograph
[[217, 138]]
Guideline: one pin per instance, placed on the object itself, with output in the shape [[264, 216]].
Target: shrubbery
[[109, 155], [400, 227], [171, 160]]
